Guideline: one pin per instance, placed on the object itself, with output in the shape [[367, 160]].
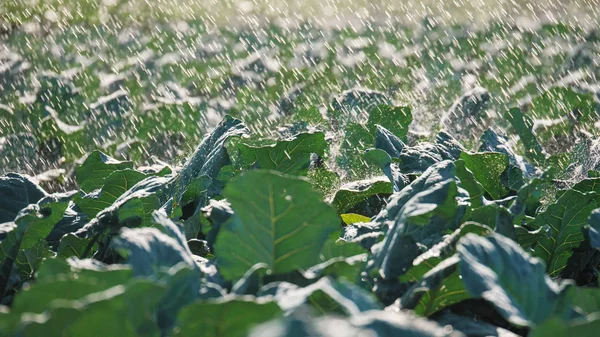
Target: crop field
[[223, 169]]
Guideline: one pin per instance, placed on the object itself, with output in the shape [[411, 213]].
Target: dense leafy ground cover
[[244, 183]]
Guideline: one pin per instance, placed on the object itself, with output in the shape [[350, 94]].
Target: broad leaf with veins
[[279, 220]]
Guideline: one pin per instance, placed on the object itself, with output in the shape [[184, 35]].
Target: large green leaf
[[71, 221], [417, 159], [576, 109], [523, 125], [354, 193], [252, 281], [16, 193], [487, 167], [372, 323], [449, 291], [467, 114], [326, 296], [496, 217], [136, 206], [438, 288], [336, 247], [585, 327], [71, 245], [287, 156], [162, 293], [417, 218], [60, 282], [493, 142], [473, 327], [566, 219], [24, 244], [594, 229], [211, 155], [528, 199], [279, 220], [439, 206], [587, 185], [359, 137], [185, 285], [419, 225], [129, 307], [353, 104], [469, 183], [586, 300], [226, 317], [499, 271], [388, 142], [441, 251], [133, 208], [396, 119], [68, 280], [148, 249], [389, 168], [527, 238], [339, 268], [96, 168], [435, 174], [115, 185]]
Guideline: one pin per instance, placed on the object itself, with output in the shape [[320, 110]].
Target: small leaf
[[350, 218]]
